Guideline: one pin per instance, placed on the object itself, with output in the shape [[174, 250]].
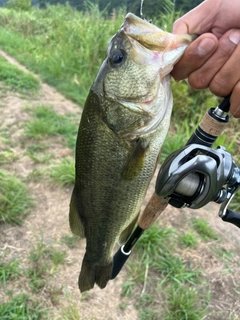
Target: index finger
[[199, 20], [195, 56]]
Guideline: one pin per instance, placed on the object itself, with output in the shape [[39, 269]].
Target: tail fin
[[91, 274]]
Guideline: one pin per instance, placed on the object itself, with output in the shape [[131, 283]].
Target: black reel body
[[196, 175]]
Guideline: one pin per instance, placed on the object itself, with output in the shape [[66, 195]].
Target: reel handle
[[232, 217], [226, 214]]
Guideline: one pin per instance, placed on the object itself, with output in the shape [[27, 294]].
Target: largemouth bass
[[124, 123]]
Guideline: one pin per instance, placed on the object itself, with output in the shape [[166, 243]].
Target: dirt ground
[[49, 220]]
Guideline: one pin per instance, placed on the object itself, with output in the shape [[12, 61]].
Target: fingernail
[[205, 47], [234, 36]]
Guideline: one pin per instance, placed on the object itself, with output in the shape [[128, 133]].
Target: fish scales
[[124, 123]]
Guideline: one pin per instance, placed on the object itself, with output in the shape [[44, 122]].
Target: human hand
[[213, 59]]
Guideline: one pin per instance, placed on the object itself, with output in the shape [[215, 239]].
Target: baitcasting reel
[[198, 174]]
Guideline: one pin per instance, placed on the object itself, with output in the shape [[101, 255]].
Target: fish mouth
[[151, 45], [152, 37]]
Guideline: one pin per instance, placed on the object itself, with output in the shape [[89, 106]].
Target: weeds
[[172, 143], [18, 5], [171, 268], [7, 156], [184, 305], [229, 141], [157, 271], [35, 175], [71, 312], [44, 263], [38, 152], [63, 171], [47, 122], [9, 270], [153, 241], [40, 158], [15, 200], [21, 307], [188, 240], [204, 230], [128, 288], [40, 252], [70, 240], [16, 79], [54, 43]]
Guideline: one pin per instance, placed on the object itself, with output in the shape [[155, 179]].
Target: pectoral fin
[[75, 222], [135, 161]]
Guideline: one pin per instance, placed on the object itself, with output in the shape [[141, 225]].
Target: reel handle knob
[[232, 217], [226, 214]]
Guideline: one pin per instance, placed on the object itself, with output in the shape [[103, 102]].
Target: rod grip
[[154, 208], [212, 124], [208, 130]]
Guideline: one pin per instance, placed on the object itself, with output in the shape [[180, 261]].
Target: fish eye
[[117, 58]]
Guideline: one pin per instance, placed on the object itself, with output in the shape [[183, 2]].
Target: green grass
[[44, 261], [39, 152], [184, 304], [7, 156], [5, 139], [15, 199], [157, 270], [72, 312], [41, 252], [59, 43], [46, 122], [22, 307], [16, 79], [188, 240], [63, 171], [9, 270], [172, 269], [18, 5], [70, 240], [172, 143], [40, 158], [204, 230], [228, 140]]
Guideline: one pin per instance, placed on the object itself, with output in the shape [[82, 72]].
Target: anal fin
[[126, 232], [75, 222]]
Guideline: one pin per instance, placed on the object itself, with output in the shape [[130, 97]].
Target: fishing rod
[[192, 176]]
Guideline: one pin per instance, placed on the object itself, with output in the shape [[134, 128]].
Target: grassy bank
[[65, 47]]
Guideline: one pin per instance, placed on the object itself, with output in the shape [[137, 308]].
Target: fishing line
[[141, 10], [236, 111]]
